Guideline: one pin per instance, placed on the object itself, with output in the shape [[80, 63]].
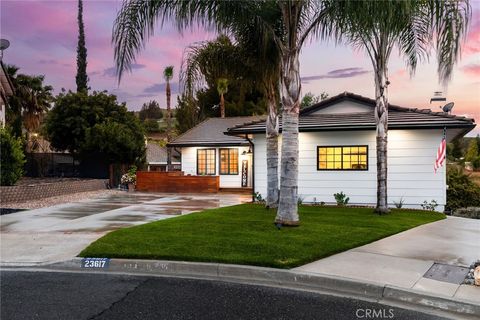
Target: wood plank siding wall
[[411, 178], [176, 182]]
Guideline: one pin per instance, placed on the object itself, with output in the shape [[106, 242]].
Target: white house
[[338, 152], [206, 150]]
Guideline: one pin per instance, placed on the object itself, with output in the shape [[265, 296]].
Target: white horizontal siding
[[411, 154], [189, 166]]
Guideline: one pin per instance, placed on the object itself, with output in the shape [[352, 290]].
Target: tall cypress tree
[[81, 77]]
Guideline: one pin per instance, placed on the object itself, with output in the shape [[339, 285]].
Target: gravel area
[[34, 181], [47, 202]]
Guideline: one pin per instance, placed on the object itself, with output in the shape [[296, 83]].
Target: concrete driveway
[[60, 232], [403, 259]]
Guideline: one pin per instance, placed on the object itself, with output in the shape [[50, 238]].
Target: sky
[[43, 37]]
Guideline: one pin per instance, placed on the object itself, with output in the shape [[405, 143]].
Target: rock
[[476, 275]]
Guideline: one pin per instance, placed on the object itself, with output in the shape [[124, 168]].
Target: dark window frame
[[206, 162], [228, 161], [340, 146]]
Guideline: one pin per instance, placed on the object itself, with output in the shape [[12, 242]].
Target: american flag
[[441, 154]]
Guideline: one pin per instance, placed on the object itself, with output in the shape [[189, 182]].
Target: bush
[[471, 212], [462, 192], [12, 158], [341, 198]]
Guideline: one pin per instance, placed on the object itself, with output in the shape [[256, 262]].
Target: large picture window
[[206, 161], [342, 158], [229, 161]]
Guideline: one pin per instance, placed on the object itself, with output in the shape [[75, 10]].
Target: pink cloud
[[472, 69]]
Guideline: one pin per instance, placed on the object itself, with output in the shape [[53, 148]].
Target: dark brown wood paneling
[[176, 182]]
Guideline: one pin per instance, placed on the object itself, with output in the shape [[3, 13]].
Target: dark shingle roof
[[155, 153], [398, 118], [211, 132]]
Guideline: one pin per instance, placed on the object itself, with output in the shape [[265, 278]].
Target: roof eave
[[468, 127]]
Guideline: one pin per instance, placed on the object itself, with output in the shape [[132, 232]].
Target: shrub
[[462, 192], [399, 204], [429, 206], [341, 198], [471, 212], [12, 158]]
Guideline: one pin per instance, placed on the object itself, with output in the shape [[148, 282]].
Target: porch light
[[247, 152]]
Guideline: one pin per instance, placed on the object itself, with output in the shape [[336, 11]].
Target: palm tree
[[168, 75], [413, 26], [256, 56], [31, 101], [299, 19], [222, 88]]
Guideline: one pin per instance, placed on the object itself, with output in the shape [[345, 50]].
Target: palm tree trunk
[[287, 213], [381, 119], [272, 149], [169, 126], [222, 106]]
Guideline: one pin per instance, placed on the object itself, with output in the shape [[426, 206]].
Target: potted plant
[[130, 178]]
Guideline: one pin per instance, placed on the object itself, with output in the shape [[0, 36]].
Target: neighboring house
[[337, 152], [206, 150], [157, 158], [6, 90]]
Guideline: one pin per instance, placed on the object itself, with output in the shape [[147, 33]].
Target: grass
[[245, 234]]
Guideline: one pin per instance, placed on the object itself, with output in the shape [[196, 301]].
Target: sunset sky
[[43, 36]]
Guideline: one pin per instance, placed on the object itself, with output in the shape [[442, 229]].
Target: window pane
[[343, 158]]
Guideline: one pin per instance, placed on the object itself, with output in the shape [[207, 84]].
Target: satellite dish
[[448, 107], [4, 44]]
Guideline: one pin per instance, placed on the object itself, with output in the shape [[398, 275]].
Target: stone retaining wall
[[24, 193]]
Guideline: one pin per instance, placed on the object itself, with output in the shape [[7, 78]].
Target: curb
[[280, 278]]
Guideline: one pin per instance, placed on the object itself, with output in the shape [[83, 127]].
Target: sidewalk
[[403, 260]]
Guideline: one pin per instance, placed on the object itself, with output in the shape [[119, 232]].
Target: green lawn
[[245, 234]]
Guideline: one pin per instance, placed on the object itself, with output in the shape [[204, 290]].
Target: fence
[[176, 182]]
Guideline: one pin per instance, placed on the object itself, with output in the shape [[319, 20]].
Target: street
[[59, 295]]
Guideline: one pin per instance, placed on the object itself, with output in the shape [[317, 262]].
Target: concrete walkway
[[60, 232], [403, 260]]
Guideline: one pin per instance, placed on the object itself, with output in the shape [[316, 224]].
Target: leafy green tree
[[456, 150], [150, 110], [116, 142], [151, 125], [12, 158], [77, 117], [81, 77], [187, 114], [462, 192], [472, 151], [311, 99]]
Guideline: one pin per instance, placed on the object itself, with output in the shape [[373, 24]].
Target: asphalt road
[[52, 295]]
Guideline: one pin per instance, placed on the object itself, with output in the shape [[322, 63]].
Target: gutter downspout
[[253, 166]]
